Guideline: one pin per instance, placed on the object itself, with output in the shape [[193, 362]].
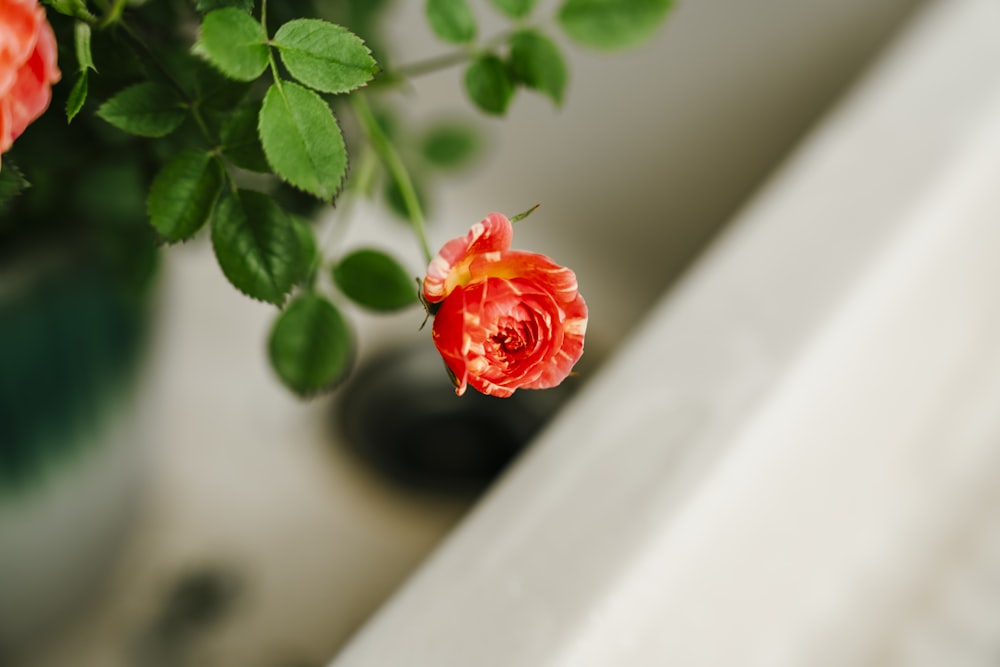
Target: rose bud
[[505, 319], [27, 67]]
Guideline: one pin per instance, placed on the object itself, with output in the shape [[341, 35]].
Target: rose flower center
[[511, 340]]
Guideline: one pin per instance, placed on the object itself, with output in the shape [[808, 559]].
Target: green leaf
[[74, 8], [257, 246], [515, 9], [488, 84], [307, 242], [451, 20], [205, 6], [77, 96], [301, 139], [81, 44], [324, 56], [311, 347], [535, 61], [234, 42], [450, 145], [183, 194], [240, 142], [145, 109], [216, 91], [12, 183], [375, 280], [612, 24]]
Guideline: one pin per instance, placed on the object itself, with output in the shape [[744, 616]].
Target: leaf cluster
[[528, 57], [202, 119]]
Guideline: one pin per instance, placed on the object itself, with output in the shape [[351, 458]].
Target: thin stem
[[524, 214], [385, 150], [271, 60], [112, 13], [361, 176], [446, 60], [431, 65]]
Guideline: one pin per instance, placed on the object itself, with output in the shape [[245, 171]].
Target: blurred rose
[[27, 67], [507, 319]]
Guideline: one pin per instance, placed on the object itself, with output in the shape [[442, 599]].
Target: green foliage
[[302, 140], [75, 8], [239, 101], [77, 96], [514, 8], [240, 143], [375, 280], [85, 62], [307, 244], [324, 56], [145, 109], [488, 84], [81, 44], [257, 246], [311, 348], [450, 145], [451, 20], [612, 24], [536, 62], [205, 6], [235, 42], [362, 16], [183, 194], [214, 90]]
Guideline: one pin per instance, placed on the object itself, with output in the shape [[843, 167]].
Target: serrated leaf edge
[[347, 165], [285, 295], [276, 43]]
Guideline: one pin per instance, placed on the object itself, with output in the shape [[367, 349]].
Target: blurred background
[[216, 520]]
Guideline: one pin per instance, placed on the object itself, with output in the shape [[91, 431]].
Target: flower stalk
[[397, 170]]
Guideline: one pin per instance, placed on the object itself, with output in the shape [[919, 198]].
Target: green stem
[[431, 65], [445, 60], [271, 60], [361, 176], [112, 13], [387, 152]]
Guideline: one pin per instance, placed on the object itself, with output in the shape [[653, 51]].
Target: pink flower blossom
[[506, 319], [28, 67]]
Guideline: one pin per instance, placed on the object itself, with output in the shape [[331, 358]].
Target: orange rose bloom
[[507, 319], [28, 67]]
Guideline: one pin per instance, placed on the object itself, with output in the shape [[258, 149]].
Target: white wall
[[794, 460]]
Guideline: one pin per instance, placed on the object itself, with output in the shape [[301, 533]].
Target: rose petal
[[559, 366], [449, 268], [556, 280], [523, 317], [19, 23], [28, 67], [448, 333], [477, 322], [32, 92]]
